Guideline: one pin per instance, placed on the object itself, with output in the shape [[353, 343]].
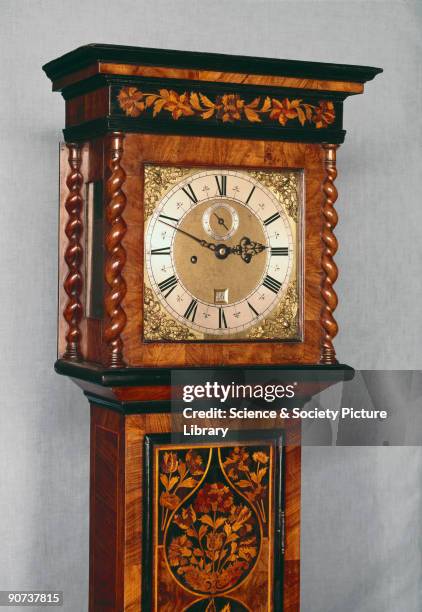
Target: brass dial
[[219, 252]]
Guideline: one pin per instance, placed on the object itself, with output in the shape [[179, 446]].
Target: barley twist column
[[73, 255], [329, 324], [116, 254]]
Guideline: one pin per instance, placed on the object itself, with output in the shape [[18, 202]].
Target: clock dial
[[220, 220], [220, 252]]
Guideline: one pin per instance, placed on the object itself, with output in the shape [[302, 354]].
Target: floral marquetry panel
[[214, 531]]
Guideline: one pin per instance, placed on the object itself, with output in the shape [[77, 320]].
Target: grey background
[[361, 538]]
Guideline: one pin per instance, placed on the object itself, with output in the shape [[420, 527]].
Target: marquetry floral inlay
[[177, 476], [225, 108], [212, 508], [250, 474], [218, 542]]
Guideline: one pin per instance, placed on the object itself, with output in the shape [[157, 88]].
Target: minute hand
[[203, 243]]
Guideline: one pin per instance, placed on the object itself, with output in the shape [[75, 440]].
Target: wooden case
[[131, 106]]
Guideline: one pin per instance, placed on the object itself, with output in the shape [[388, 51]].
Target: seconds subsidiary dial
[[219, 252], [220, 221]]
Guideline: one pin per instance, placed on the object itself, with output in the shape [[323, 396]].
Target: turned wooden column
[[73, 255], [330, 270], [116, 254]]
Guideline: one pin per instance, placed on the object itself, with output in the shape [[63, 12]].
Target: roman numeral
[[169, 218], [190, 193], [167, 285], [271, 219], [222, 319], [272, 284], [279, 251], [191, 310], [253, 310], [222, 184], [162, 251], [250, 195]]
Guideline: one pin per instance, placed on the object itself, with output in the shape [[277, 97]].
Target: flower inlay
[[227, 108]]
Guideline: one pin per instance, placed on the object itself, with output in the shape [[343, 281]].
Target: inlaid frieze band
[[225, 108]]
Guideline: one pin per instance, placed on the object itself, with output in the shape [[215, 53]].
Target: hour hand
[[247, 248]]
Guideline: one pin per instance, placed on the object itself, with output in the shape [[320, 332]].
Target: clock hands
[[221, 221], [203, 243], [246, 248]]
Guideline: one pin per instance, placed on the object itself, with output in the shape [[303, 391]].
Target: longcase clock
[[196, 231]]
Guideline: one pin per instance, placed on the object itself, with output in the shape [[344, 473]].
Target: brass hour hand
[[247, 248]]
